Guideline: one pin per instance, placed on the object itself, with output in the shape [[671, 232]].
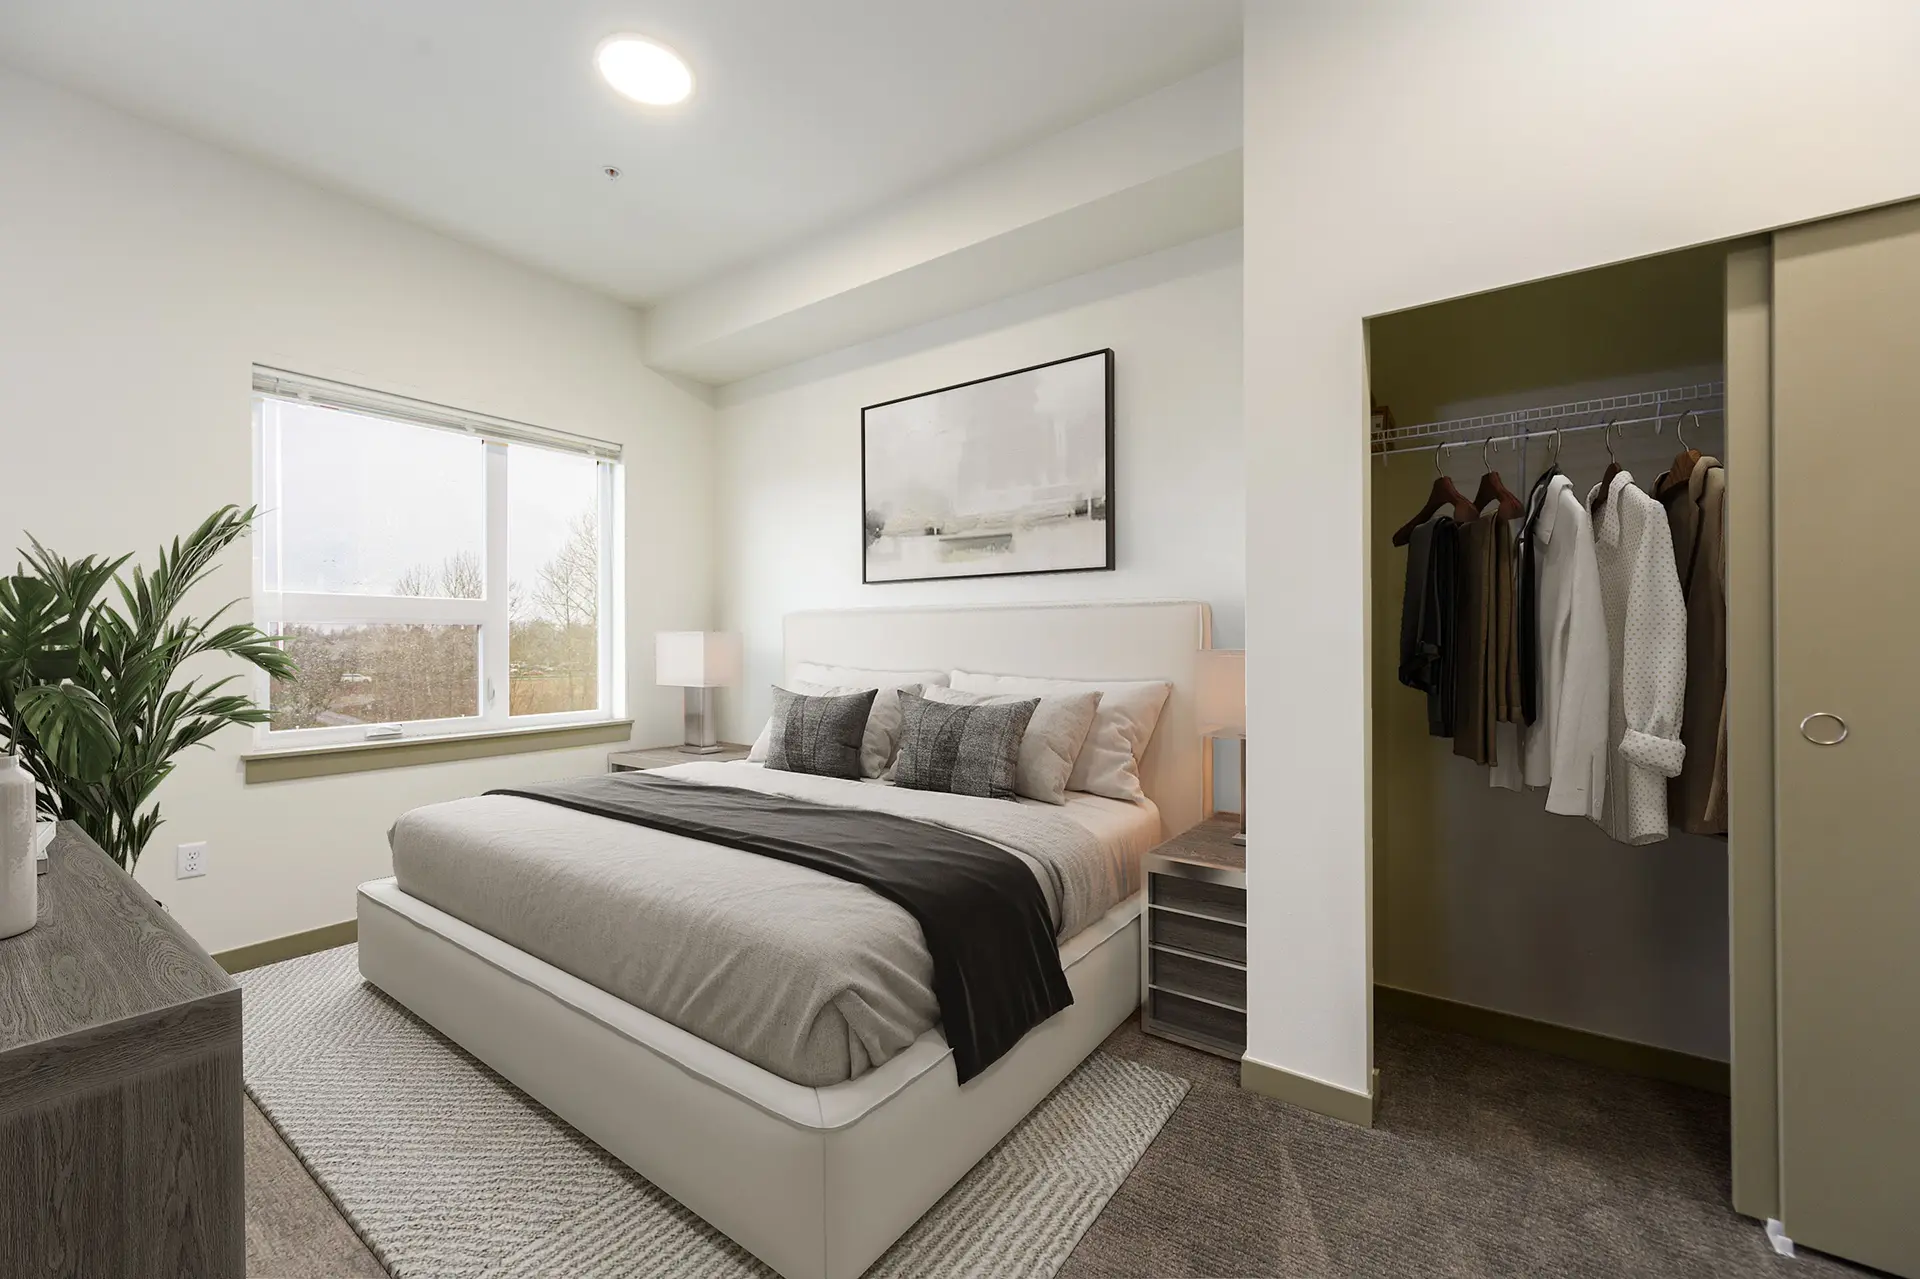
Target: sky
[[364, 499]]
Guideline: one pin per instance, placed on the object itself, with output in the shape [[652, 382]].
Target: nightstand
[[1194, 964], [638, 761]]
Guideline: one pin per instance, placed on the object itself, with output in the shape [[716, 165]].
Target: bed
[[812, 1139]]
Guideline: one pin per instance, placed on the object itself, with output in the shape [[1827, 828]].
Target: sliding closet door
[[1846, 311]]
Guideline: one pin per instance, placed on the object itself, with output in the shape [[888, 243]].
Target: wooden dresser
[[121, 1145]]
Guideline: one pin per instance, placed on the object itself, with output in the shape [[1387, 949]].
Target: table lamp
[[698, 661], [1221, 708]]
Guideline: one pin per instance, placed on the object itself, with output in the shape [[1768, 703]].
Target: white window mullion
[[266, 540], [612, 626], [302, 608], [496, 631]]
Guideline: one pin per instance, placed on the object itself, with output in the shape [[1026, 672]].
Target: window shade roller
[[300, 387]]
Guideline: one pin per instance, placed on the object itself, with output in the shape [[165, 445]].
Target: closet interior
[[1533, 617]]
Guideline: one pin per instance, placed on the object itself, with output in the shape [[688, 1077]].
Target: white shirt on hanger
[[1647, 651], [1566, 748]]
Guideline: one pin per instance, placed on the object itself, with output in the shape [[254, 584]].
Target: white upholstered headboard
[[1158, 639]]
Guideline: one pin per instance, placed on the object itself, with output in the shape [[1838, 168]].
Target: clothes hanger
[[1443, 493], [1551, 469], [1493, 489], [1688, 457], [1552, 459], [1613, 469]]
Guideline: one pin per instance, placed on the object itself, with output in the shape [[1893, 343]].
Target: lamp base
[[700, 736]]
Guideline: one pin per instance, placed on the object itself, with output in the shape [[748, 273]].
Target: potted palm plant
[[92, 696]]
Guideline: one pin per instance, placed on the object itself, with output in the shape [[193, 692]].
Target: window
[[434, 572]]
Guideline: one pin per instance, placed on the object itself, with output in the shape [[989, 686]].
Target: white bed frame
[[816, 1182]]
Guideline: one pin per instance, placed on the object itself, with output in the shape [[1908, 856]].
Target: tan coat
[[1696, 511]]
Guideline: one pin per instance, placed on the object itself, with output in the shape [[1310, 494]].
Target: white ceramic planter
[[19, 882]]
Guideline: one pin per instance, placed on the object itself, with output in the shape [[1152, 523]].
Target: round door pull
[[1833, 737]]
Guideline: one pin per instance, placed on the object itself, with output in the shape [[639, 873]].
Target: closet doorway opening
[[1591, 940]]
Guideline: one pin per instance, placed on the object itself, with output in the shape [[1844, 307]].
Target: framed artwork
[[1004, 475]]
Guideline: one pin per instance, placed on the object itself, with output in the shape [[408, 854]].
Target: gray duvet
[[813, 978]]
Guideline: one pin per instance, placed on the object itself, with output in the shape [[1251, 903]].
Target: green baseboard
[[1309, 1094], [275, 949], [1563, 1041]]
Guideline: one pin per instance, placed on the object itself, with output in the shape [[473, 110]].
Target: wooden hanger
[[1443, 493], [1492, 488], [1688, 458], [1613, 469]]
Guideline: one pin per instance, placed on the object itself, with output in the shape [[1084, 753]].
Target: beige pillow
[[1123, 724], [883, 722], [1053, 740]]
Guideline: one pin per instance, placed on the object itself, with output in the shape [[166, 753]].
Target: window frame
[[273, 610]]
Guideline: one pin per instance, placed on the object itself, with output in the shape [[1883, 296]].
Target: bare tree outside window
[[555, 653]]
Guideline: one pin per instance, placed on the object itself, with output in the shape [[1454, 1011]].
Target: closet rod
[[1546, 432]]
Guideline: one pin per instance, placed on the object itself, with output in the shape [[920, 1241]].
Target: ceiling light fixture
[[641, 69]]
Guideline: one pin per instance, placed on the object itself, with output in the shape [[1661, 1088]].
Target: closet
[[1741, 910]]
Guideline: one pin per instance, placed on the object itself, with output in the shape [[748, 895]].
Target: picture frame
[[1008, 475]]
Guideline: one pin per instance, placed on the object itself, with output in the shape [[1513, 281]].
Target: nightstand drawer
[[1204, 1025], [1202, 978], [1198, 896], [1197, 933]]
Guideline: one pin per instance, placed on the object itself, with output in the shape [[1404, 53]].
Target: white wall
[[789, 453], [141, 274], [1399, 154]]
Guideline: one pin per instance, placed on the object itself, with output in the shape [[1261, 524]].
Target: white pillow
[[1053, 740], [883, 721], [1123, 724]]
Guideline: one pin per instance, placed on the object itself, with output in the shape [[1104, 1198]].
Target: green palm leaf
[[72, 726], [90, 687]]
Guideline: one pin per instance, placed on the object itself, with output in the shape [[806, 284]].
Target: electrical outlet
[[190, 861]]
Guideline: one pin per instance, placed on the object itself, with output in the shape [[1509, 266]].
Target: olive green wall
[[1488, 900]]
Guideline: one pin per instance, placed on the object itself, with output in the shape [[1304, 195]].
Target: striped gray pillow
[[819, 735], [963, 750]]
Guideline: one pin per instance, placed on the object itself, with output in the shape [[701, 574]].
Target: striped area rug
[[446, 1170]]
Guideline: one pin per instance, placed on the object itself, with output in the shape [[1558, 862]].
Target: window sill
[[363, 757]]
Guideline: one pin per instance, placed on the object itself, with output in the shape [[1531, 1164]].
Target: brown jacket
[[1487, 672], [1696, 512]]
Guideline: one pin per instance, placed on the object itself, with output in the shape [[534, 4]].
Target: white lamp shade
[[1220, 695], [696, 659]]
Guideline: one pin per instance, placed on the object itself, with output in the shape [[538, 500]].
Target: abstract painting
[[1002, 475]]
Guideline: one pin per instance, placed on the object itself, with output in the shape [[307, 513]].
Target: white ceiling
[[488, 121]]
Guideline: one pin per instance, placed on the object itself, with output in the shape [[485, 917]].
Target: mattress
[[813, 978]]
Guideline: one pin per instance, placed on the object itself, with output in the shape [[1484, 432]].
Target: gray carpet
[[446, 1170], [1488, 1161]]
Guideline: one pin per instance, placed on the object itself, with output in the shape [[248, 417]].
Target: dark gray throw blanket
[[996, 969]]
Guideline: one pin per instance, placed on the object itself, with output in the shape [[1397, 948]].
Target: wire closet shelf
[[1545, 421]]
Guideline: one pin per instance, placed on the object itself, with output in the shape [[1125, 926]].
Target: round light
[[649, 73]]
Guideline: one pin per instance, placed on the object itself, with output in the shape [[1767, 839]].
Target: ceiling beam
[[1157, 171]]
